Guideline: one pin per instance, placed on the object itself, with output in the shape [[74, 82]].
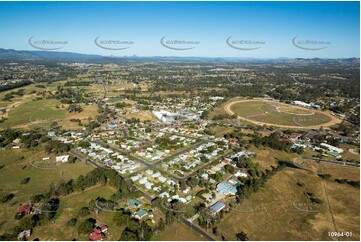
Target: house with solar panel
[[218, 206]]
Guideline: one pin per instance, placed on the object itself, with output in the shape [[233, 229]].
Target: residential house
[[218, 206]]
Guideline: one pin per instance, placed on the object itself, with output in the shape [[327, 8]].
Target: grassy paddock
[[276, 218], [177, 232], [69, 208], [17, 168]]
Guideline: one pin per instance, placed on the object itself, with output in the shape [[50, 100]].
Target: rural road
[[341, 163]]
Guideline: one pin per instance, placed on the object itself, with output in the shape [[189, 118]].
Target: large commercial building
[[165, 116]]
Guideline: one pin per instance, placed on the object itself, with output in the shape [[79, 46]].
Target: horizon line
[[174, 56]]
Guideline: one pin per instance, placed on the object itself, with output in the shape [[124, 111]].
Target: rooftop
[[218, 206], [134, 203]]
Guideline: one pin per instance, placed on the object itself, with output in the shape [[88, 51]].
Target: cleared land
[[177, 232], [15, 166], [69, 208], [275, 217], [266, 112]]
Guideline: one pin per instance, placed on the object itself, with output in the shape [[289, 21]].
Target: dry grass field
[[276, 218], [177, 232]]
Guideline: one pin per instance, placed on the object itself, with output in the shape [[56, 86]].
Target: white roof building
[[155, 175], [143, 180], [164, 194], [332, 148], [240, 174], [148, 185], [62, 158]]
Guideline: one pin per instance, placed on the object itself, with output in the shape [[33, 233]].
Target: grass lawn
[[177, 232]]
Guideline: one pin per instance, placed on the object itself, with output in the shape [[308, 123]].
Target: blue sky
[[274, 24]]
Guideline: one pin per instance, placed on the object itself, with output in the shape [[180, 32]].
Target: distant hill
[[28, 55], [11, 54]]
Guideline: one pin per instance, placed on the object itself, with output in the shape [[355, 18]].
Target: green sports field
[[274, 113]]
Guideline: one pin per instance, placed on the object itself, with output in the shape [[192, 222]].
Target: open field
[[69, 208], [177, 232], [35, 112], [267, 157], [275, 202], [142, 115], [15, 168], [42, 113], [265, 112]]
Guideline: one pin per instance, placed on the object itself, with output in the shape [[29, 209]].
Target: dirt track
[[228, 106]]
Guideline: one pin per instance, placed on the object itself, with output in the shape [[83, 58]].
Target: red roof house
[[96, 235], [26, 209]]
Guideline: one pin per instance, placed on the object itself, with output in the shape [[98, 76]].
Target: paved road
[[207, 165], [104, 96], [155, 165], [182, 151], [82, 157], [148, 165], [341, 163], [182, 135], [148, 197]]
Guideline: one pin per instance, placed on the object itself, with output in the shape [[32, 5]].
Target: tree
[[128, 236], [84, 211], [72, 222], [27, 223], [242, 236], [85, 227], [120, 218], [161, 224], [229, 168], [215, 230], [169, 217], [145, 232]]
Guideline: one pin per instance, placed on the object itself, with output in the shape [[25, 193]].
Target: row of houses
[[109, 158], [183, 131], [188, 161], [154, 182]]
